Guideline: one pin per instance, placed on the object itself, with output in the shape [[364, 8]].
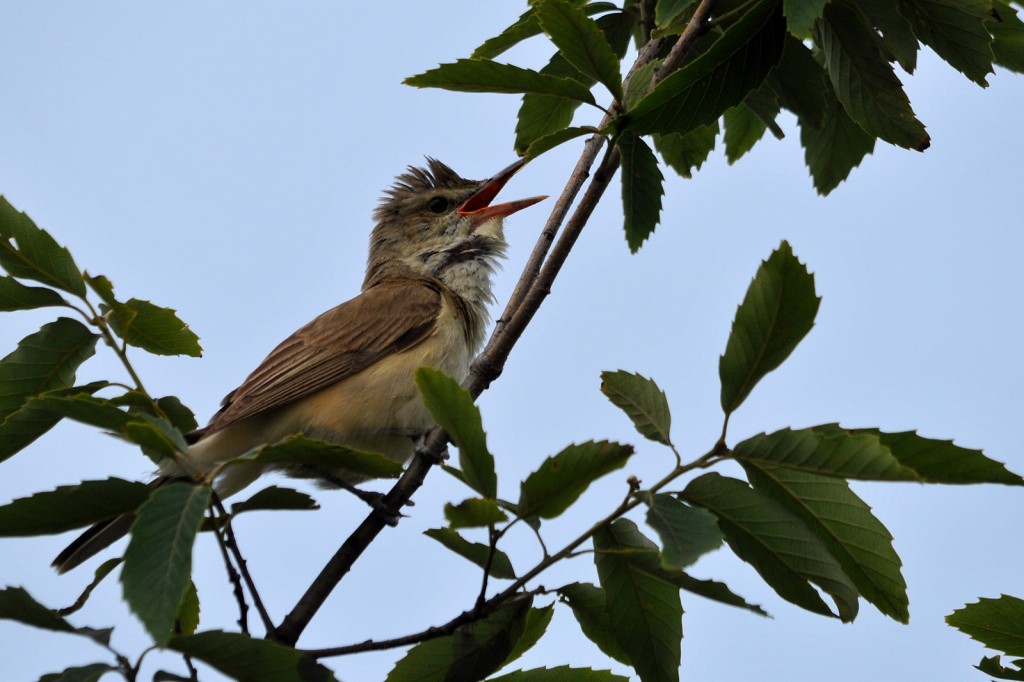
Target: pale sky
[[223, 159]]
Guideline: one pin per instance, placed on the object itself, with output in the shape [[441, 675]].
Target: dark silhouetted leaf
[[549, 142], [527, 26], [16, 296], [155, 329], [836, 148], [1008, 37], [996, 623], [29, 252], [776, 313], [743, 129], [18, 605], [581, 42], [801, 14], [686, 532], [537, 621], [501, 566], [483, 75], [319, 456], [474, 513], [897, 37], [641, 190], [253, 660], [101, 572], [83, 673], [157, 436], [642, 401], [711, 589], [956, 30], [588, 604], [71, 506], [561, 479], [687, 153], [187, 621], [276, 498], [799, 83], [562, 673]]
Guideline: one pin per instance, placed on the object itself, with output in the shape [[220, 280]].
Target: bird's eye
[[438, 205]]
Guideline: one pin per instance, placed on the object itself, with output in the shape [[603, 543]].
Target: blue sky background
[[223, 159]]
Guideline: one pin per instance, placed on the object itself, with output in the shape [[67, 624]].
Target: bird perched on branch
[[347, 377]]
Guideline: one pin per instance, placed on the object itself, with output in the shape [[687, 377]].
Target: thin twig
[[232, 545], [233, 577]]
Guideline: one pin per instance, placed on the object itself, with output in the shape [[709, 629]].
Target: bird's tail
[[99, 536]]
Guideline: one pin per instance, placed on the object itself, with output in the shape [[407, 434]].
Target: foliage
[[702, 70]]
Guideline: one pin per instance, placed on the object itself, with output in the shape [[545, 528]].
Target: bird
[[347, 377]]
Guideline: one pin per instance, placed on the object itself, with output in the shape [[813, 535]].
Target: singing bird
[[347, 377]]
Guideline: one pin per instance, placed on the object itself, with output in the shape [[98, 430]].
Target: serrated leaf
[[501, 565], [777, 312], [549, 142], [452, 408], [31, 421], [562, 673], [713, 590], [996, 623], [187, 621], [254, 660], [835, 149], [71, 506], [743, 129], [473, 652], [581, 42], [82, 673], [16, 296], [717, 79], [898, 40], [157, 437], [827, 452], [644, 611], [180, 416], [642, 189], [474, 513], [686, 153], [18, 605], [484, 75], [158, 560], [537, 621], [82, 407], [152, 328], [799, 83], [956, 30], [776, 543], [844, 522], [938, 461], [863, 79], [992, 665], [801, 14], [686, 532], [642, 401], [101, 572], [1007, 37], [527, 26], [588, 604], [29, 252], [275, 498], [561, 479], [305, 453], [44, 361]]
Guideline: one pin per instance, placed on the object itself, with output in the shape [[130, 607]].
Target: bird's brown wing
[[380, 321]]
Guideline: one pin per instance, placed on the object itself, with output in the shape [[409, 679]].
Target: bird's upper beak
[[478, 208]]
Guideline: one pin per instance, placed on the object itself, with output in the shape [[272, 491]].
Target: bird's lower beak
[[478, 207]]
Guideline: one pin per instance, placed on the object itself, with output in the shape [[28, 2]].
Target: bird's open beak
[[478, 207]]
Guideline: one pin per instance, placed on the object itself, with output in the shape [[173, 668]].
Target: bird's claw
[[439, 458]]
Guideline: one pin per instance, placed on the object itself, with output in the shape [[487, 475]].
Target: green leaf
[[863, 79], [179, 415], [826, 451], [1008, 37], [71, 506], [686, 153], [719, 78], [581, 42], [844, 522], [644, 611], [642, 401], [157, 437], [527, 26], [834, 149], [667, 11], [16, 296], [956, 30], [801, 14], [158, 561], [484, 75], [777, 312], [187, 621], [18, 605], [686, 532], [44, 361], [254, 660], [84, 673], [938, 461], [101, 572], [31, 421], [711, 589], [501, 565], [996, 623], [641, 190], [776, 543], [29, 252], [473, 652], [537, 621], [561, 479], [562, 673], [474, 513], [276, 498], [743, 129], [549, 142], [799, 83], [319, 456], [82, 407], [898, 40], [154, 329], [452, 408], [991, 665], [588, 604]]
